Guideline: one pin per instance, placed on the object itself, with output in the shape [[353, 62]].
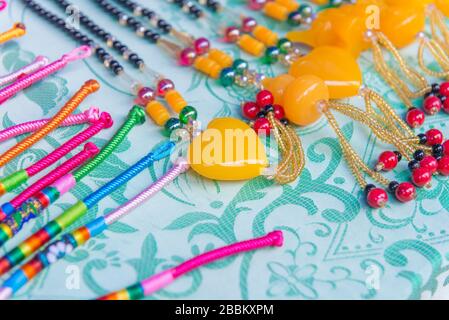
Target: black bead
[[269, 108], [398, 155], [284, 121], [419, 155], [435, 88], [368, 188], [392, 186], [422, 138], [437, 150], [412, 165], [261, 114]]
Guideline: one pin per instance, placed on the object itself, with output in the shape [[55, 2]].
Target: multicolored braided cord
[[36, 204], [55, 227], [16, 179], [58, 249], [86, 89], [163, 279]]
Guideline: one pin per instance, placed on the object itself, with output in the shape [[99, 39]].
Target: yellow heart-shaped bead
[[335, 66], [301, 99], [277, 86], [228, 149]]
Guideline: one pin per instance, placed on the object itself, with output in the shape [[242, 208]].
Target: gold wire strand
[[438, 53]]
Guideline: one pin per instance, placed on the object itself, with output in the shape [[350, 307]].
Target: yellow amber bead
[[301, 99], [207, 66], [220, 57], [335, 66], [443, 5], [265, 35], [291, 5], [277, 86], [175, 100], [250, 45], [401, 24], [276, 11], [157, 112], [227, 150]]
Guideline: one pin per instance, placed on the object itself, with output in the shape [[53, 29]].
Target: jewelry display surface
[[335, 245]]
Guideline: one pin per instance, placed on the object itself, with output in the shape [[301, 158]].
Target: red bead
[[232, 34], [388, 160], [201, 45], [405, 192], [415, 118], [434, 136], [430, 163], [421, 176], [262, 126], [144, 96], [163, 86], [256, 4], [187, 56], [446, 147], [250, 109], [444, 89], [377, 198], [264, 98], [443, 166], [432, 105], [248, 24], [279, 112], [446, 105]]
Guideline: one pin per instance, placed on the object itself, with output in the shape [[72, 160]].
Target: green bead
[[284, 45], [240, 66], [187, 113], [306, 11], [272, 55], [294, 18], [227, 77], [171, 125]]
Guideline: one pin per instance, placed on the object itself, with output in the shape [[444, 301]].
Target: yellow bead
[[227, 150], [291, 5], [276, 11], [220, 57], [250, 45], [401, 24], [443, 5], [335, 66], [301, 99], [277, 86], [157, 112], [175, 100], [207, 66], [265, 35]]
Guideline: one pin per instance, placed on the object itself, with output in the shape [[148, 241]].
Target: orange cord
[[18, 30], [87, 88]]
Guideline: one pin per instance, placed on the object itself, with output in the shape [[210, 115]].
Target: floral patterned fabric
[[335, 246]]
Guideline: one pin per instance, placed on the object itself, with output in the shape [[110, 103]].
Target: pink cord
[[38, 63], [162, 279], [104, 122], [3, 5], [28, 80], [274, 238], [180, 167], [89, 116], [88, 152]]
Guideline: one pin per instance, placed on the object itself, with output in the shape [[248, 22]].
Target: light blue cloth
[[335, 246]]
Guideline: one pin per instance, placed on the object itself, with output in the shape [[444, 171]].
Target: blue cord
[[159, 153]]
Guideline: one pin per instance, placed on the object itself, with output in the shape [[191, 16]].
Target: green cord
[[136, 116]]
